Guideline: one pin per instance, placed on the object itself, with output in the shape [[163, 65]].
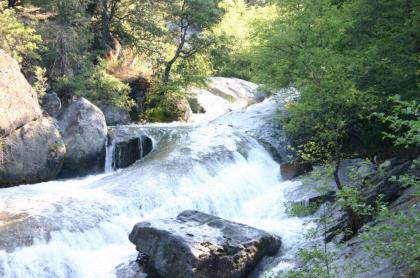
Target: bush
[[100, 88], [166, 103], [18, 40], [103, 88]]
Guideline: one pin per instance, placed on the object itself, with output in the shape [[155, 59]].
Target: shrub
[[18, 40], [166, 103], [103, 88]]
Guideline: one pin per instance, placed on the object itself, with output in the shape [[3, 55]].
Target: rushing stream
[[79, 227]]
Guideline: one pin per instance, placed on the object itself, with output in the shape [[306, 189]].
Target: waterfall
[[79, 227], [109, 155]]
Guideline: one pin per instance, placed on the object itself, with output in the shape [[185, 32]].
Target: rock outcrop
[[84, 132], [18, 101], [51, 104], [371, 183], [195, 244], [31, 147], [32, 153], [115, 115]]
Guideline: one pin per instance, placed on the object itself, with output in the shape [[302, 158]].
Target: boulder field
[[31, 147], [38, 144]]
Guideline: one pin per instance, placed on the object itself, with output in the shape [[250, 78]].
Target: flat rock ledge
[[196, 244]]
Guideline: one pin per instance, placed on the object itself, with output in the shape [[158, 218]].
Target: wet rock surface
[[129, 145], [128, 152], [195, 244], [315, 187], [261, 122]]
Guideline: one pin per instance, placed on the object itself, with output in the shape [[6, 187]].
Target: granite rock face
[[84, 132], [18, 101], [51, 104], [196, 244], [32, 153]]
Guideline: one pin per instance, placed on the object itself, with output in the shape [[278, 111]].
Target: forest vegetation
[[355, 64]]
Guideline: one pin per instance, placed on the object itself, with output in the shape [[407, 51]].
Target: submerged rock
[[32, 153], [84, 131], [195, 244], [18, 101]]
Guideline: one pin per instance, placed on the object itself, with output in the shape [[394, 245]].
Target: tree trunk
[[11, 3], [105, 24], [168, 68], [171, 62]]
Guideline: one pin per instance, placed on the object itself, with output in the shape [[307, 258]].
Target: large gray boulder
[[115, 115], [32, 153], [352, 172], [18, 101], [370, 180], [195, 244], [84, 131]]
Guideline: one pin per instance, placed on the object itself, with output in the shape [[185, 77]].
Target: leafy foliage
[[104, 88], [395, 235], [344, 58], [17, 39], [166, 102], [404, 121], [41, 84]]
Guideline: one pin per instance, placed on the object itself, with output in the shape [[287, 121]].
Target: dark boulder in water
[[128, 152], [196, 244]]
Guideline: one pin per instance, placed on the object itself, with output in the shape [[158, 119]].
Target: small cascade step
[[122, 154]]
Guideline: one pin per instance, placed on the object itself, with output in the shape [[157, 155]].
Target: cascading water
[[109, 155], [79, 227]]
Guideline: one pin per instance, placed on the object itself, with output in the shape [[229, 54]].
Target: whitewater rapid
[[80, 227]]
